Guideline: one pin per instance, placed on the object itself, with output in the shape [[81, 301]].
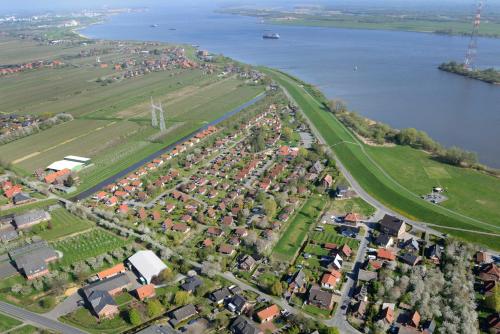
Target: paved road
[[38, 319]]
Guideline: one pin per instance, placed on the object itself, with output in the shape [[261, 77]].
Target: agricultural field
[[112, 122], [87, 245], [358, 160], [63, 223], [296, 232]]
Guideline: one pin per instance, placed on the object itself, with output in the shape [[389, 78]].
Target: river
[[396, 81]]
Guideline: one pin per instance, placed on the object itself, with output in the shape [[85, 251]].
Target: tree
[[69, 181], [337, 106], [181, 298], [134, 317], [333, 330], [492, 301], [48, 302], [167, 275], [154, 308], [270, 207], [277, 288]]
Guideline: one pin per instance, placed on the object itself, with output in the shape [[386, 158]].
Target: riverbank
[[395, 185], [489, 75], [367, 19]]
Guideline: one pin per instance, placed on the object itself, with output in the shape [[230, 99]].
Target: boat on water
[[154, 25], [271, 36]]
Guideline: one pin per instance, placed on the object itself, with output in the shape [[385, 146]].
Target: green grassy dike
[[377, 182]]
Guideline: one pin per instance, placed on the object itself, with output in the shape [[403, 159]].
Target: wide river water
[[396, 81]]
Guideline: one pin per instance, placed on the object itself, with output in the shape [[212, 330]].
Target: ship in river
[[271, 36]]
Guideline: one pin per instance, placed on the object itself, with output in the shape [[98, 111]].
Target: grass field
[[27, 329], [354, 155], [87, 245], [64, 223], [7, 323], [296, 232]]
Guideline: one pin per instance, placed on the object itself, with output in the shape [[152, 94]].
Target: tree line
[[381, 133]]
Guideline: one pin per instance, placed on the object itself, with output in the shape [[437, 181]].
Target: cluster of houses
[[14, 193], [11, 224], [487, 273], [132, 188], [18, 68], [32, 260], [151, 61], [12, 122], [142, 267]]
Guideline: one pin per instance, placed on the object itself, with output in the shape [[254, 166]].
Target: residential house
[[320, 298], [268, 314], [433, 253], [98, 295], [145, 291], [489, 272], [327, 181], [247, 263], [298, 284], [113, 271], [237, 304], [352, 218], [330, 280], [411, 245], [393, 226], [242, 325], [385, 254], [384, 240], [482, 257], [359, 309], [410, 259], [182, 313], [387, 314], [191, 284], [220, 295], [226, 249], [32, 260], [414, 319], [31, 218]]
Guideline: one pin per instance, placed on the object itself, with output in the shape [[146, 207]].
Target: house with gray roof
[[320, 298], [392, 225], [99, 295], [237, 304], [182, 313], [366, 276], [31, 218], [243, 325], [218, 296], [32, 259], [158, 329], [191, 284]]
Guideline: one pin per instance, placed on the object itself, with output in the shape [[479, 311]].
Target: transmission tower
[[162, 119], [470, 56], [154, 120]]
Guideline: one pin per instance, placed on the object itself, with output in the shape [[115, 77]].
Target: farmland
[[112, 119], [358, 160], [87, 245], [296, 232]]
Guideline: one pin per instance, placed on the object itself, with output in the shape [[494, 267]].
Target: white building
[[146, 264]]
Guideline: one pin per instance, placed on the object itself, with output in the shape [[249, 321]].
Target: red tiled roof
[[269, 312]]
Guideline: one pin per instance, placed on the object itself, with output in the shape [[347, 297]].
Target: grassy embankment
[[378, 182], [112, 122]]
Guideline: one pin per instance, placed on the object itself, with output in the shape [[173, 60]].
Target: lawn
[[28, 329], [82, 318], [64, 223], [330, 235], [7, 323], [374, 180], [89, 244], [292, 239], [355, 204], [313, 310]]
